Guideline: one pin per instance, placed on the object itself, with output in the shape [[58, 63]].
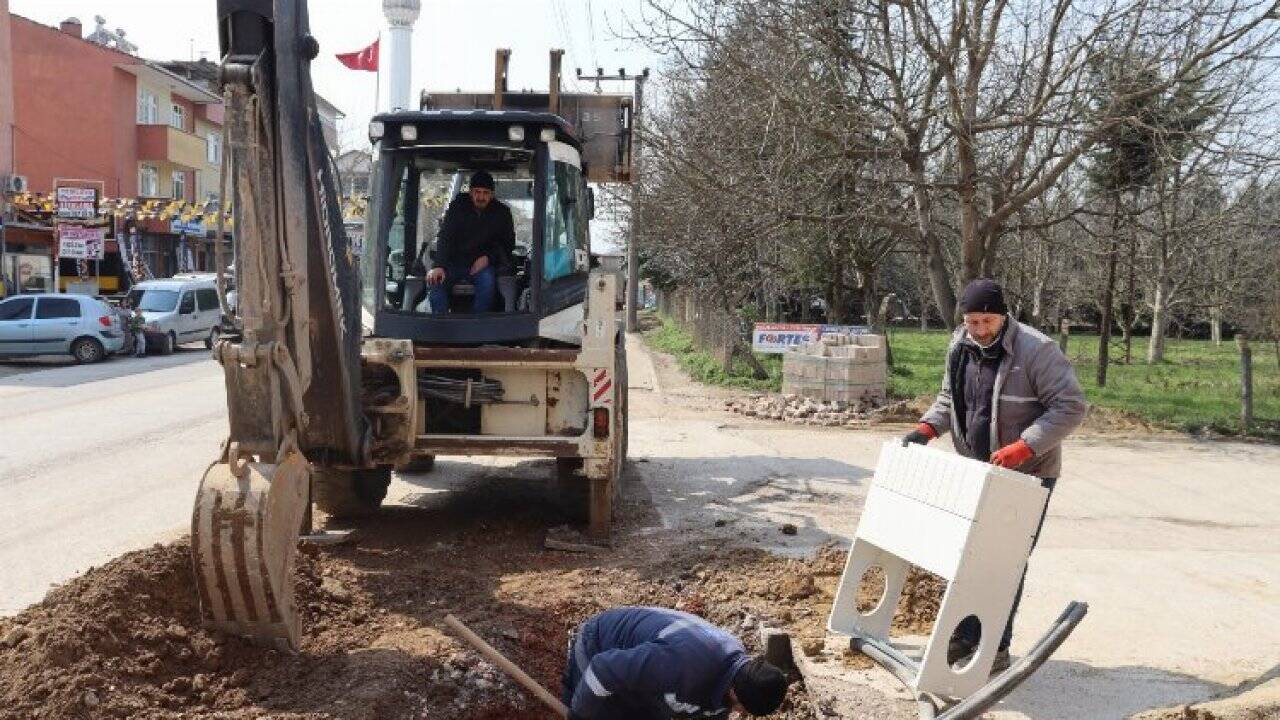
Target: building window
[[179, 185], [213, 146], [148, 181], [148, 108], [178, 117]]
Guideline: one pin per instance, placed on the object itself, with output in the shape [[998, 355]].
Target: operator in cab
[[476, 241]]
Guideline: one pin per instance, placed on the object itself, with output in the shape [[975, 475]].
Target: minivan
[[178, 310], [85, 327]]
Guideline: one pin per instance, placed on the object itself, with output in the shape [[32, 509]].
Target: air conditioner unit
[[14, 183]]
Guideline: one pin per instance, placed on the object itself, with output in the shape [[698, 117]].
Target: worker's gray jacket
[[1037, 398]]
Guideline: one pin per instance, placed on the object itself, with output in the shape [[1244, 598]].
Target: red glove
[[1012, 455], [925, 428]]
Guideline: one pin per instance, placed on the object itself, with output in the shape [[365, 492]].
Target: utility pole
[[637, 114]]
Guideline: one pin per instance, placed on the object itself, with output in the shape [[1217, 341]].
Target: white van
[[179, 310]]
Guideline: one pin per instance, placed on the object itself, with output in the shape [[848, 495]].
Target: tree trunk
[[1159, 319], [1108, 299], [1215, 325], [1131, 303], [939, 280]]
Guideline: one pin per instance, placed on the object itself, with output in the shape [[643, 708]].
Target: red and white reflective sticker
[[600, 385]]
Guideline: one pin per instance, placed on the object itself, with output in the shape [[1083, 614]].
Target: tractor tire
[[419, 464], [350, 493]]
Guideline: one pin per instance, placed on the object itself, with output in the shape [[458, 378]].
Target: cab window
[[566, 220]]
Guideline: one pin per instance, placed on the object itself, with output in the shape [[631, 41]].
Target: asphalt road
[[1174, 543], [97, 460]]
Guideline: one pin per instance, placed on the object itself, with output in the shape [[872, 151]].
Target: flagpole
[[377, 88]]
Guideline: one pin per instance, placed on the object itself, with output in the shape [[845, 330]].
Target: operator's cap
[[482, 179]]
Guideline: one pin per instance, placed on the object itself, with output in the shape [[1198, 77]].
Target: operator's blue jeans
[[970, 630], [485, 283]]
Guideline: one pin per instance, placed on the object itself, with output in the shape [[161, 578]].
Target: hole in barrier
[[871, 590], [962, 648]]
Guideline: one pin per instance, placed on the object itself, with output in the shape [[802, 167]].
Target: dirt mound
[[124, 640], [1252, 702]]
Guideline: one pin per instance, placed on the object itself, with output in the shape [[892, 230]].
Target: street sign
[[76, 203], [80, 243]]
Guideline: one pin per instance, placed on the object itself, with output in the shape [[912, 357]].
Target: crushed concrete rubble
[[797, 410]]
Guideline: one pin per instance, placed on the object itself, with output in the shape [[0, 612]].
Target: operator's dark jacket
[[1034, 396], [651, 664], [466, 234]]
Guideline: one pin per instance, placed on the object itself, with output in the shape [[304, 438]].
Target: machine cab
[[426, 161]]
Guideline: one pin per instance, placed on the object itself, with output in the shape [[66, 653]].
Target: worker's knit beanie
[[983, 295], [760, 687], [482, 179]]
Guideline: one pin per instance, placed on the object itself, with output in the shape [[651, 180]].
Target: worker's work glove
[[923, 433], [1012, 455]]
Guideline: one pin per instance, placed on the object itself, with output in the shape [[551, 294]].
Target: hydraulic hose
[[465, 392]]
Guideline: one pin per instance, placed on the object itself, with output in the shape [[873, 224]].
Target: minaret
[[401, 15]]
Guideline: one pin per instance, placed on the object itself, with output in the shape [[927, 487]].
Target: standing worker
[[137, 330], [1009, 397], [638, 663]]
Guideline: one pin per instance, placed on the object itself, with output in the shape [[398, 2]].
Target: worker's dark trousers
[[485, 283], [970, 630]]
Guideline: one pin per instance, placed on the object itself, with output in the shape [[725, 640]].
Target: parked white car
[[178, 310], [85, 327]]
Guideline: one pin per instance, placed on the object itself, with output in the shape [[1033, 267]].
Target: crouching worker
[[637, 663]]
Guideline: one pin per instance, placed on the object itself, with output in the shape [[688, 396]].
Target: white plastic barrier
[[970, 523]]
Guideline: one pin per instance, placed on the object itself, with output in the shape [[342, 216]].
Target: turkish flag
[[366, 59]]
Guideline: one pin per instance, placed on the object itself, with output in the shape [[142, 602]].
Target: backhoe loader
[[338, 365]]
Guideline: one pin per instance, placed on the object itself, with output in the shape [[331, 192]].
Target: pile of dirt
[[1254, 701], [124, 640]]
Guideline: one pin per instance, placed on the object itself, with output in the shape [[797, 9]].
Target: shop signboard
[[80, 243], [775, 338], [76, 203], [190, 227]]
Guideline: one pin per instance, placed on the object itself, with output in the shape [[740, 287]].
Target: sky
[[453, 42]]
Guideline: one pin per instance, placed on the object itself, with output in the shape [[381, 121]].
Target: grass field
[[1196, 388]]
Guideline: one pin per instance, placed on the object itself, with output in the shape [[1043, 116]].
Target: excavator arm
[[292, 362]]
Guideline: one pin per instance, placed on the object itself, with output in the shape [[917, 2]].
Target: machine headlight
[[409, 133], [515, 133], [547, 135], [376, 130]]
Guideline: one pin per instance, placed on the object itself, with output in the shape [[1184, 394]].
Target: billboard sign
[[846, 330], [774, 338], [80, 243], [777, 338], [76, 203]]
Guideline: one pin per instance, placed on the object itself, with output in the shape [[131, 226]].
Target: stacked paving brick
[[839, 368]]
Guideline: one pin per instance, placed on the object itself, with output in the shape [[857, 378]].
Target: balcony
[[162, 143]]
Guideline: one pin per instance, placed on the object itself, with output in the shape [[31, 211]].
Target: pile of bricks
[[848, 369]]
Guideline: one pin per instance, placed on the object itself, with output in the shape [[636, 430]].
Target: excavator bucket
[[244, 534]]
